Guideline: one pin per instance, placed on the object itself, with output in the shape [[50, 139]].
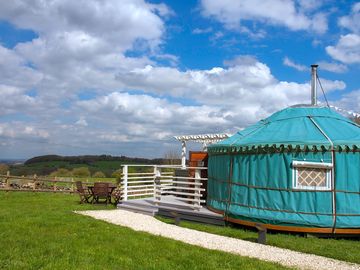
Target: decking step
[[170, 206], [179, 205], [185, 215], [191, 212], [150, 211], [138, 203]]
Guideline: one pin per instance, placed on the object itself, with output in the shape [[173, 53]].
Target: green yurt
[[297, 170]]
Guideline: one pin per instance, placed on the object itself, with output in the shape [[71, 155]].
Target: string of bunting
[[350, 113]]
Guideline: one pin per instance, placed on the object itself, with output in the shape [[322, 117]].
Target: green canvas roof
[[301, 126]]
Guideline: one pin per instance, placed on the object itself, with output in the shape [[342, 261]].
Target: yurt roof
[[295, 128]]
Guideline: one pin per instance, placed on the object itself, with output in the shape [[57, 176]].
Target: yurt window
[[311, 175]]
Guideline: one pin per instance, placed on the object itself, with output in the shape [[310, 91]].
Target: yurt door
[[199, 159]]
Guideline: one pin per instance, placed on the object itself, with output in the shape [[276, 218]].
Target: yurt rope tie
[[322, 89], [332, 171]]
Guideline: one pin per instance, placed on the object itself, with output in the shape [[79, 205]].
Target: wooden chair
[[116, 196], [84, 194], [101, 191]]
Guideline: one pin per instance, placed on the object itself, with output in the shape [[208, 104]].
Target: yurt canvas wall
[[296, 170]]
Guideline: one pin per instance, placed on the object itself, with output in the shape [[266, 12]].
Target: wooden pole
[[8, 179], [34, 187]]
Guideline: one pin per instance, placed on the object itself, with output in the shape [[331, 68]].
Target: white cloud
[[217, 35], [14, 70], [330, 86], [116, 138], [347, 50], [173, 60], [147, 109], [307, 5], [352, 22], [323, 65], [116, 22], [350, 101], [80, 45], [319, 23], [32, 131], [13, 100], [332, 67], [316, 42], [19, 130], [81, 122], [288, 62], [241, 60], [274, 12], [198, 31], [206, 86], [246, 81]]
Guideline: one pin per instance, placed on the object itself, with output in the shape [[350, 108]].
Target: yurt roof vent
[[313, 85]]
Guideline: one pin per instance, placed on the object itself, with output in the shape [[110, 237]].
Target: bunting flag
[[346, 112]]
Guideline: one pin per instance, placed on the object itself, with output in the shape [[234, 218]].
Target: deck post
[[183, 154], [157, 184], [125, 182], [197, 191], [261, 233]]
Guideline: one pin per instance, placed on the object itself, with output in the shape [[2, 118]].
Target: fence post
[[8, 179], [197, 187], [125, 182], [157, 184], [34, 187], [72, 188]]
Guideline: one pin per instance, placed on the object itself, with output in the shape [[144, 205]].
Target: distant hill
[[45, 165]]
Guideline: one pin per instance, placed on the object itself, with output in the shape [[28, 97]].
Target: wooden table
[[96, 197]]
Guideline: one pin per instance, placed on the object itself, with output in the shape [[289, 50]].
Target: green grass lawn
[[341, 249], [40, 231]]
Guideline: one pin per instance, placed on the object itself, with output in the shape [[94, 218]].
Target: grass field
[[40, 231], [341, 249]]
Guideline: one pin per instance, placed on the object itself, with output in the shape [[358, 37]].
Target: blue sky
[[124, 77]]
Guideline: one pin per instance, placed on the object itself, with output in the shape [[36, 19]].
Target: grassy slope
[[40, 231], [341, 249]]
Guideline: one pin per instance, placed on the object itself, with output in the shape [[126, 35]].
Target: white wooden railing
[[141, 181]]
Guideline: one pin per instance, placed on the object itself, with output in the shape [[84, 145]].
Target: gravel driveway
[[139, 222]]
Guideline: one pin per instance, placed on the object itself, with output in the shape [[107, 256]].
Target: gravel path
[[139, 222]]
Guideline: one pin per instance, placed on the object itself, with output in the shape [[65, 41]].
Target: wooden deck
[[171, 207]]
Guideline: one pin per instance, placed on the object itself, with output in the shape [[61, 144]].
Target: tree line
[[88, 159]]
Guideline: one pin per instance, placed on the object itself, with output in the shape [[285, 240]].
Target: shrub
[[61, 172], [99, 174], [117, 174], [3, 168], [81, 172]]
